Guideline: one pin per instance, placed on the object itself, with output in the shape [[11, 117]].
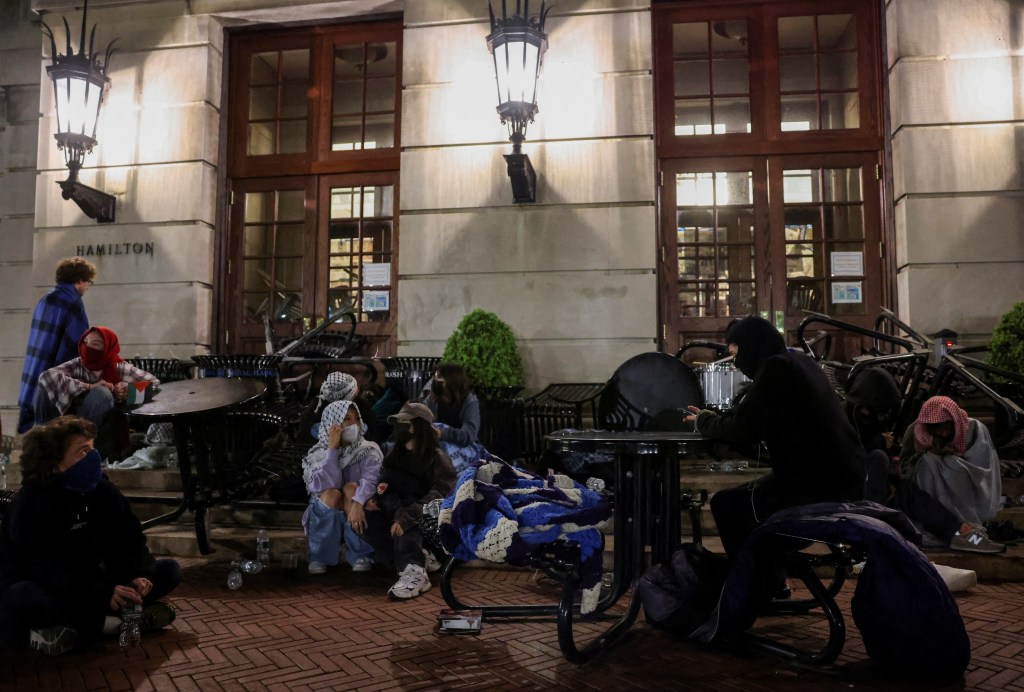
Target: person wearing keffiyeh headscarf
[[340, 472], [950, 457], [90, 385]]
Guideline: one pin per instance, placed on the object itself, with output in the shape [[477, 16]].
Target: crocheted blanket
[[500, 513]]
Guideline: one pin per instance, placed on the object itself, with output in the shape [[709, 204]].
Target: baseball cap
[[412, 410]]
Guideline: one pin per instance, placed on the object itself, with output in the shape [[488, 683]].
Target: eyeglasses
[[89, 281]]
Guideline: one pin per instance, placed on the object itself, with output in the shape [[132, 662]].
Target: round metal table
[[192, 406]]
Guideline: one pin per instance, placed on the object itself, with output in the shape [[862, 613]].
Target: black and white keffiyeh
[[333, 415]]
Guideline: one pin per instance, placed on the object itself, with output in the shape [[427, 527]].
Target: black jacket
[[78, 546], [813, 449]]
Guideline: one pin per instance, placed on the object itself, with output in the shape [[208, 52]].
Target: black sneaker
[[53, 641], [156, 616]]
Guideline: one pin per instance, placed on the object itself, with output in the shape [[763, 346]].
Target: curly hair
[[44, 446], [71, 270]]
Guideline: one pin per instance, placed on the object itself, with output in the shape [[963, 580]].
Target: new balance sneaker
[[430, 561], [53, 641], [317, 567], [976, 541], [411, 583], [363, 564], [156, 616]]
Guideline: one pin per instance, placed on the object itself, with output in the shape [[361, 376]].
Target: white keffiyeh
[[333, 415]]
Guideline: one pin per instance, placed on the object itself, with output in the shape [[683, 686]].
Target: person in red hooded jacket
[[91, 385]]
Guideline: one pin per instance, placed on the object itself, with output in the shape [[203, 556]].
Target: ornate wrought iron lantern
[[79, 82], [517, 44]]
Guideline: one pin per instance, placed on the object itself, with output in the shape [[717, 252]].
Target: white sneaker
[[363, 564], [317, 567], [431, 563], [411, 583], [53, 641]]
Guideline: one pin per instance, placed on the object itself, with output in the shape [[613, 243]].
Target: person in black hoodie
[[72, 553], [791, 410]]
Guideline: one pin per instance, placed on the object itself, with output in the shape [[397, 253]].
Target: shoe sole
[[61, 642], [362, 568]]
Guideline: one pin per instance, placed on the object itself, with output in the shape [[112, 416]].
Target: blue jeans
[[326, 528], [94, 406]]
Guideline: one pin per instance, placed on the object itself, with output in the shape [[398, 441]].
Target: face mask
[[350, 434], [437, 387], [401, 434], [83, 476]]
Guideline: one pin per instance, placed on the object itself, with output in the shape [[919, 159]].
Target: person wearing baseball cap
[[414, 473]]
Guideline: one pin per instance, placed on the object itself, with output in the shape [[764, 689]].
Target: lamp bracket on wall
[[95, 203]]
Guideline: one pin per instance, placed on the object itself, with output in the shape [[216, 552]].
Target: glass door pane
[[715, 243], [361, 251], [824, 238], [272, 256], [279, 83], [712, 78], [818, 80]]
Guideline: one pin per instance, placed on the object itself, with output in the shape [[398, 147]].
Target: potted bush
[[1007, 344], [487, 349]]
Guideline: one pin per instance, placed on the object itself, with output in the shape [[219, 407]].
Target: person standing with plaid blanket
[[58, 322]]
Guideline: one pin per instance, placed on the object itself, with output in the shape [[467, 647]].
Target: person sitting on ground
[[340, 472], [951, 458], [456, 414], [91, 385], [72, 553], [790, 407], [58, 322], [872, 402], [415, 472]]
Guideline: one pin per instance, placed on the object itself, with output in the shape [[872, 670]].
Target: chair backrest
[[646, 387], [409, 374]]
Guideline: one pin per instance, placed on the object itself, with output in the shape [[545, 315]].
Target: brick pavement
[[339, 632]]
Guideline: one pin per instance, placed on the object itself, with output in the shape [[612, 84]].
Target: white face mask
[[350, 434]]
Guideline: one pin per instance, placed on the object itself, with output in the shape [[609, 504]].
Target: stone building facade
[[575, 275]]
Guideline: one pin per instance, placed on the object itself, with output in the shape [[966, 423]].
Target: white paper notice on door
[[847, 264], [377, 274], [847, 292]]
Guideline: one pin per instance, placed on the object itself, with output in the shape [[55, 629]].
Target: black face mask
[[401, 434], [437, 387]]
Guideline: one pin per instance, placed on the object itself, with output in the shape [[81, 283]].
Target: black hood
[[875, 388], [757, 340]]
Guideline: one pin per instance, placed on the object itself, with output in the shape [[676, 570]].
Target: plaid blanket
[[503, 514], [58, 323]]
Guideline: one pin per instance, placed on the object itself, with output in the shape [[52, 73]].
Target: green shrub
[[487, 349], [1007, 345]]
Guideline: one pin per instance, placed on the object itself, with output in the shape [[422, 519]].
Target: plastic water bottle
[[131, 633], [4, 460], [234, 580], [262, 547]]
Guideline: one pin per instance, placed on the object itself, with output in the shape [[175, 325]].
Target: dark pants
[[924, 510], [405, 549], [26, 605], [738, 511]]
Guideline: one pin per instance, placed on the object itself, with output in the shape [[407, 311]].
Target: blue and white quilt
[[503, 514]]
